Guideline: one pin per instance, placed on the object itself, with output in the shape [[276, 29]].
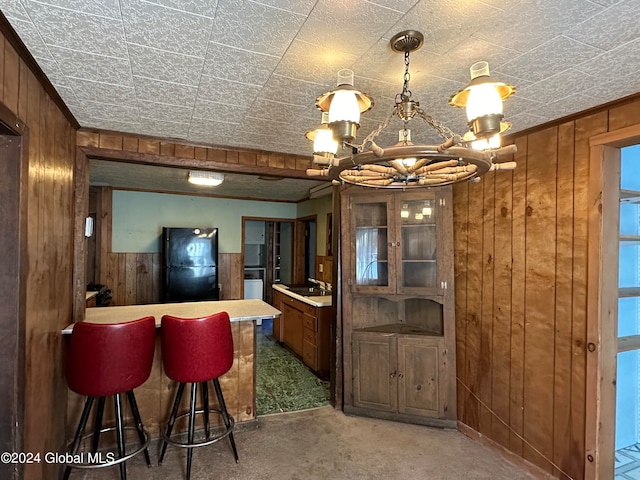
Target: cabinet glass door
[[371, 244], [419, 236]]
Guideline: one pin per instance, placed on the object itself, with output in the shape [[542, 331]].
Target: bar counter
[[155, 396]]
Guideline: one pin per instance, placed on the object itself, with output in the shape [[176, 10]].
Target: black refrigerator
[[189, 264]]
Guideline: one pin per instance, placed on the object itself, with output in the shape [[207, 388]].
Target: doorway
[[608, 341], [283, 382], [627, 435], [13, 242]]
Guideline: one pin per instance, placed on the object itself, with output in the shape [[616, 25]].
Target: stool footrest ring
[[199, 443], [99, 454]]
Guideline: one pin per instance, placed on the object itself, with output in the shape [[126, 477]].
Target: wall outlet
[[320, 268]]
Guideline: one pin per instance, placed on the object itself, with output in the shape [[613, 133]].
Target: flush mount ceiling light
[[209, 179], [405, 164]]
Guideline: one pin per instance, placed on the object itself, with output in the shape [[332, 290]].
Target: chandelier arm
[[442, 130]]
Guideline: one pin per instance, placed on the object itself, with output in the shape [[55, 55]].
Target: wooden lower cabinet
[[400, 374], [305, 329]]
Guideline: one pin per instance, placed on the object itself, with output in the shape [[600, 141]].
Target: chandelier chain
[[442, 130], [369, 138], [406, 93]]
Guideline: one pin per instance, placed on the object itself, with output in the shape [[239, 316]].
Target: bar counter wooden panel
[[156, 395], [534, 304]]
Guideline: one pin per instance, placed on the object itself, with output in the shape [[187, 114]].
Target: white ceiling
[[246, 73]]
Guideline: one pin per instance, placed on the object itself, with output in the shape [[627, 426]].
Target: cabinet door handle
[[393, 374], [401, 375]]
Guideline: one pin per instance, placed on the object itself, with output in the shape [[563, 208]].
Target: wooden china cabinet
[[398, 304]]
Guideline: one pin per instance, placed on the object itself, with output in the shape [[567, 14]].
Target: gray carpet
[[322, 444]]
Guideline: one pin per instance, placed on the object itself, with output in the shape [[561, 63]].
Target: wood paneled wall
[[51, 153], [521, 294]]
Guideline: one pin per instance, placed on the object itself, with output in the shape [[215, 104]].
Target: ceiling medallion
[[405, 165]]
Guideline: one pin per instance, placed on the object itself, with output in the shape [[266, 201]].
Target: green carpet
[[283, 382]]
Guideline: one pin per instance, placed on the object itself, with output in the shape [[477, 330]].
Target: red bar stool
[[105, 360], [196, 351]]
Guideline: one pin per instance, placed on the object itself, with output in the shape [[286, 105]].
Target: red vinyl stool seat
[[109, 360], [197, 351]]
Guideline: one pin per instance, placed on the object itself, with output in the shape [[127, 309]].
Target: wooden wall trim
[[101, 144], [620, 138], [12, 37], [621, 102], [602, 309], [81, 202]]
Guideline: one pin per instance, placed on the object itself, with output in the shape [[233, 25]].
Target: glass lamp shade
[[344, 107], [323, 141], [484, 99]]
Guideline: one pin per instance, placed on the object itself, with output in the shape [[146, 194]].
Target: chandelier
[[407, 165]]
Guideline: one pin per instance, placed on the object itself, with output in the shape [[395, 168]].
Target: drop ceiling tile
[[68, 95], [210, 126], [260, 127], [455, 65], [52, 71], [206, 8], [158, 128], [303, 7], [550, 58], [445, 23], [171, 93], [78, 31], [291, 90], [312, 63], [162, 65], [530, 24], [283, 112], [14, 10], [239, 65], [620, 62], [340, 25], [88, 121], [225, 91], [164, 111], [165, 28], [522, 121], [402, 6], [102, 92], [89, 66], [565, 106], [619, 87], [596, 31], [121, 113], [383, 64], [560, 85], [254, 29], [102, 8], [219, 111], [31, 38]]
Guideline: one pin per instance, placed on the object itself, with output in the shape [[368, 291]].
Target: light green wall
[[138, 218], [320, 207]]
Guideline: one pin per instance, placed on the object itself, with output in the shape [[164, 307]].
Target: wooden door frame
[[298, 248], [602, 298], [13, 285]]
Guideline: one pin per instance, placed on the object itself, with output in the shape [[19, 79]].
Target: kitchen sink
[[309, 291]]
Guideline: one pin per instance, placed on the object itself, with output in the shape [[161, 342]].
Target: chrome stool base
[[191, 441], [111, 458]]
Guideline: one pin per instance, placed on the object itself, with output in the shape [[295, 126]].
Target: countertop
[[90, 295], [238, 310], [316, 301]]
